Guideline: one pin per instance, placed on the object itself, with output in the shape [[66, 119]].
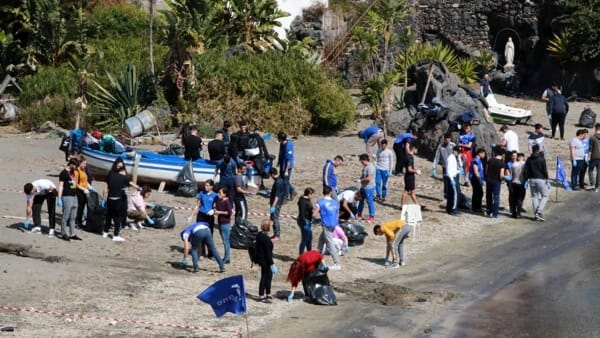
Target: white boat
[[502, 113], [153, 167]]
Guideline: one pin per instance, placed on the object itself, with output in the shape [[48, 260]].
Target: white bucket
[[8, 111], [143, 122]]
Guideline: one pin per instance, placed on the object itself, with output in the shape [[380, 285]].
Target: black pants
[[81, 202], [582, 171], [477, 197], [516, 195], [202, 217], [241, 208], [36, 209], [400, 157], [344, 214], [266, 277], [452, 195], [116, 211], [558, 120]]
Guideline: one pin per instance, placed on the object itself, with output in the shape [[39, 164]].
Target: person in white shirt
[[383, 170], [36, 193], [348, 200], [509, 141], [137, 208], [451, 178]]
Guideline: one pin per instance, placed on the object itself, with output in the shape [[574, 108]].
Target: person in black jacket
[[536, 177], [264, 257], [305, 210]]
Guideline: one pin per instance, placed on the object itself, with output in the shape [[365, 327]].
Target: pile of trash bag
[[317, 288], [242, 234], [355, 232]]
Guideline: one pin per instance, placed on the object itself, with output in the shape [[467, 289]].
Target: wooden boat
[[502, 113], [152, 168]]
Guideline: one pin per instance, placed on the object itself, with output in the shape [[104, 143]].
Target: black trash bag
[[173, 149], [164, 217], [317, 287], [355, 232], [242, 234], [96, 214], [464, 202], [587, 118], [186, 181]]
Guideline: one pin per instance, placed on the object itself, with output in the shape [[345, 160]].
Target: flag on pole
[[226, 295], [561, 174]]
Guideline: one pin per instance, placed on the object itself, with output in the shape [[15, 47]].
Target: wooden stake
[[428, 82], [136, 166]]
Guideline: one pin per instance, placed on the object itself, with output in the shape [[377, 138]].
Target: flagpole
[[247, 326]]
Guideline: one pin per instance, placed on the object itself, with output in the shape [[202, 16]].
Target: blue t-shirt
[[406, 137], [190, 229], [227, 170], [286, 155], [328, 210], [479, 164], [207, 200], [466, 138], [368, 132]]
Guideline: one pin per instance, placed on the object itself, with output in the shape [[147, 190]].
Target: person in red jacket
[[302, 266]]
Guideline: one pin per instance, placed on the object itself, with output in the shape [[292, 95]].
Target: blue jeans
[[224, 230], [368, 194], [275, 218], [289, 190], [381, 178], [204, 237], [575, 173], [492, 198], [305, 236]]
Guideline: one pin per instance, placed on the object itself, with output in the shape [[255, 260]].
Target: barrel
[[141, 123], [8, 111]]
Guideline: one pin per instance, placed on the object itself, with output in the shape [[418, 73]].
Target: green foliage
[[273, 90], [465, 69], [375, 92], [119, 102], [120, 20], [584, 26], [428, 52], [561, 47], [485, 62]]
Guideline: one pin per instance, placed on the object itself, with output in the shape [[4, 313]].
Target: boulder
[[455, 98]]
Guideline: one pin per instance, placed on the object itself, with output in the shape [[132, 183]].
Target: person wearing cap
[[509, 141], [285, 161], [537, 137], [192, 144], [395, 232], [372, 136], [36, 193], [451, 178], [67, 199]]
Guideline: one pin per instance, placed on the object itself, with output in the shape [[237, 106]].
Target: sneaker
[[394, 266], [358, 217], [539, 217], [127, 227], [36, 230], [66, 238], [402, 263], [387, 263], [118, 239], [596, 190], [222, 270], [104, 234], [335, 267], [140, 225], [76, 238], [252, 185], [371, 219], [51, 233], [133, 227]]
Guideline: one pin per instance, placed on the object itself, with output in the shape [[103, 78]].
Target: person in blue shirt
[[204, 208], [372, 136], [330, 176], [226, 171], [466, 142], [327, 209], [275, 202], [477, 178], [401, 146], [198, 234], [286, 164]]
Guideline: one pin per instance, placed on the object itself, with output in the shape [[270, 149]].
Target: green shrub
[[120, 20]]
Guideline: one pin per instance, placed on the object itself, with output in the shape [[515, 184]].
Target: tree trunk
[[151, 46]]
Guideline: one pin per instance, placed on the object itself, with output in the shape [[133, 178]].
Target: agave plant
[[561, 46], [465, 69], [120, 101], [486, 61], [429, 52]]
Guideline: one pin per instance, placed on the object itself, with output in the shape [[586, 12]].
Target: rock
[[456, 99]]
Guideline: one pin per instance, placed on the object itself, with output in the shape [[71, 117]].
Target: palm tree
[[390, 12], [375, 93], [253, 22]]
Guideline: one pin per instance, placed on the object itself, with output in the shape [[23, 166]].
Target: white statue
[[509, 53]]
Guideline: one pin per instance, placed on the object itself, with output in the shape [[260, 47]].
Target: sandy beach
[[97, 288]]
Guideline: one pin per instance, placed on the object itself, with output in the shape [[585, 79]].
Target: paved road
[[543, 284]]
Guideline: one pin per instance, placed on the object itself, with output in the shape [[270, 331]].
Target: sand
[[100, 288]]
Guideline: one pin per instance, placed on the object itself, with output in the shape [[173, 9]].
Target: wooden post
[[428, 82], [136, 165]]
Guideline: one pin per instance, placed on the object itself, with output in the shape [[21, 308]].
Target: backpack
[[253, 254]]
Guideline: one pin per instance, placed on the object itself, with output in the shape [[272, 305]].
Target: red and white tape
[[125, 321]]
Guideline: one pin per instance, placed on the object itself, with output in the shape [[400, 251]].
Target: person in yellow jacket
[[395, 232]]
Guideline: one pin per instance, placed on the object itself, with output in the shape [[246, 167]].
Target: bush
[[273, 90], [120, 20]]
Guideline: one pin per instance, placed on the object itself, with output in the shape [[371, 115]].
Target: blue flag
[[226, 295], [561, 174]]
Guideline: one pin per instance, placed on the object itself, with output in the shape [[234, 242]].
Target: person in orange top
[[83, 189], [395, 232]]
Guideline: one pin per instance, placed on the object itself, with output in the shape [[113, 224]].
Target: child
[[395, 232], [383, 167], [264, 257], [224, 210]]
